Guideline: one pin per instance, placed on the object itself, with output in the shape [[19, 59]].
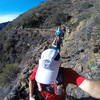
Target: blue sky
[[10, 9]]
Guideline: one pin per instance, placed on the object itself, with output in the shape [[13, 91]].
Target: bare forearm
[[31, 88], [54, 44], [92, 87]]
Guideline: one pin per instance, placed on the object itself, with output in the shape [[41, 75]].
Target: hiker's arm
[[57, 42], [92, 87], [54, 43], [31, 89], [32, 83]]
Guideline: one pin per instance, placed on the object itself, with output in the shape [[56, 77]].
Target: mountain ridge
[[2, 25]]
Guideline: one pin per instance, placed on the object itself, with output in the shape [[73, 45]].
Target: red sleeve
[[32, 76], [72, 76]]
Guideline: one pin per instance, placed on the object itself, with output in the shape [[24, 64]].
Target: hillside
[[23, 40], [2, 25]]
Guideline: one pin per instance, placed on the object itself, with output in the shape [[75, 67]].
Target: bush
[[97, 19], [60, 18], [33, 20], [97, 5], [8, 73], [86, 5], [83, 16], [56, 19]]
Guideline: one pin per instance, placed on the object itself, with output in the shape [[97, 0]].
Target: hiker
[[64, 29], [52, 79], [58, 40]]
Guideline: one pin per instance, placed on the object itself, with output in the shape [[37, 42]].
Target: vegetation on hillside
[[8, 73], [23, 40]]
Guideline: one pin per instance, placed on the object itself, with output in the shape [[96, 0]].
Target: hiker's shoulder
[[66, 70]]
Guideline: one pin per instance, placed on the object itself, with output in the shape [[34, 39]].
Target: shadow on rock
[[84, 98]]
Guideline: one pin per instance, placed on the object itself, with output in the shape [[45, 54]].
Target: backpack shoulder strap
[[60, 77]]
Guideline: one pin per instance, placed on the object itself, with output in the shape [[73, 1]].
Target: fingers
[[31, 98]]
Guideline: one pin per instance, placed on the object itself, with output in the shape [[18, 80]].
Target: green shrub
[[84, 16], [57, 19], [97, 5], [81, 17], [60, 18], [8, 73], [97, 19], [34, 20], [86, 5]]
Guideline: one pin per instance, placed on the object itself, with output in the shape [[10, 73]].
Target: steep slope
[[27, 36], [49, 14], [15, 37]]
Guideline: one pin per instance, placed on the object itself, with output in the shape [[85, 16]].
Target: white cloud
[[5, 18]]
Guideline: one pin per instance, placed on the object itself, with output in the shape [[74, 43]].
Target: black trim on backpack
[[60, 77]]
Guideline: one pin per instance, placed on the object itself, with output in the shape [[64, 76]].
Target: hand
[[32, 98]]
